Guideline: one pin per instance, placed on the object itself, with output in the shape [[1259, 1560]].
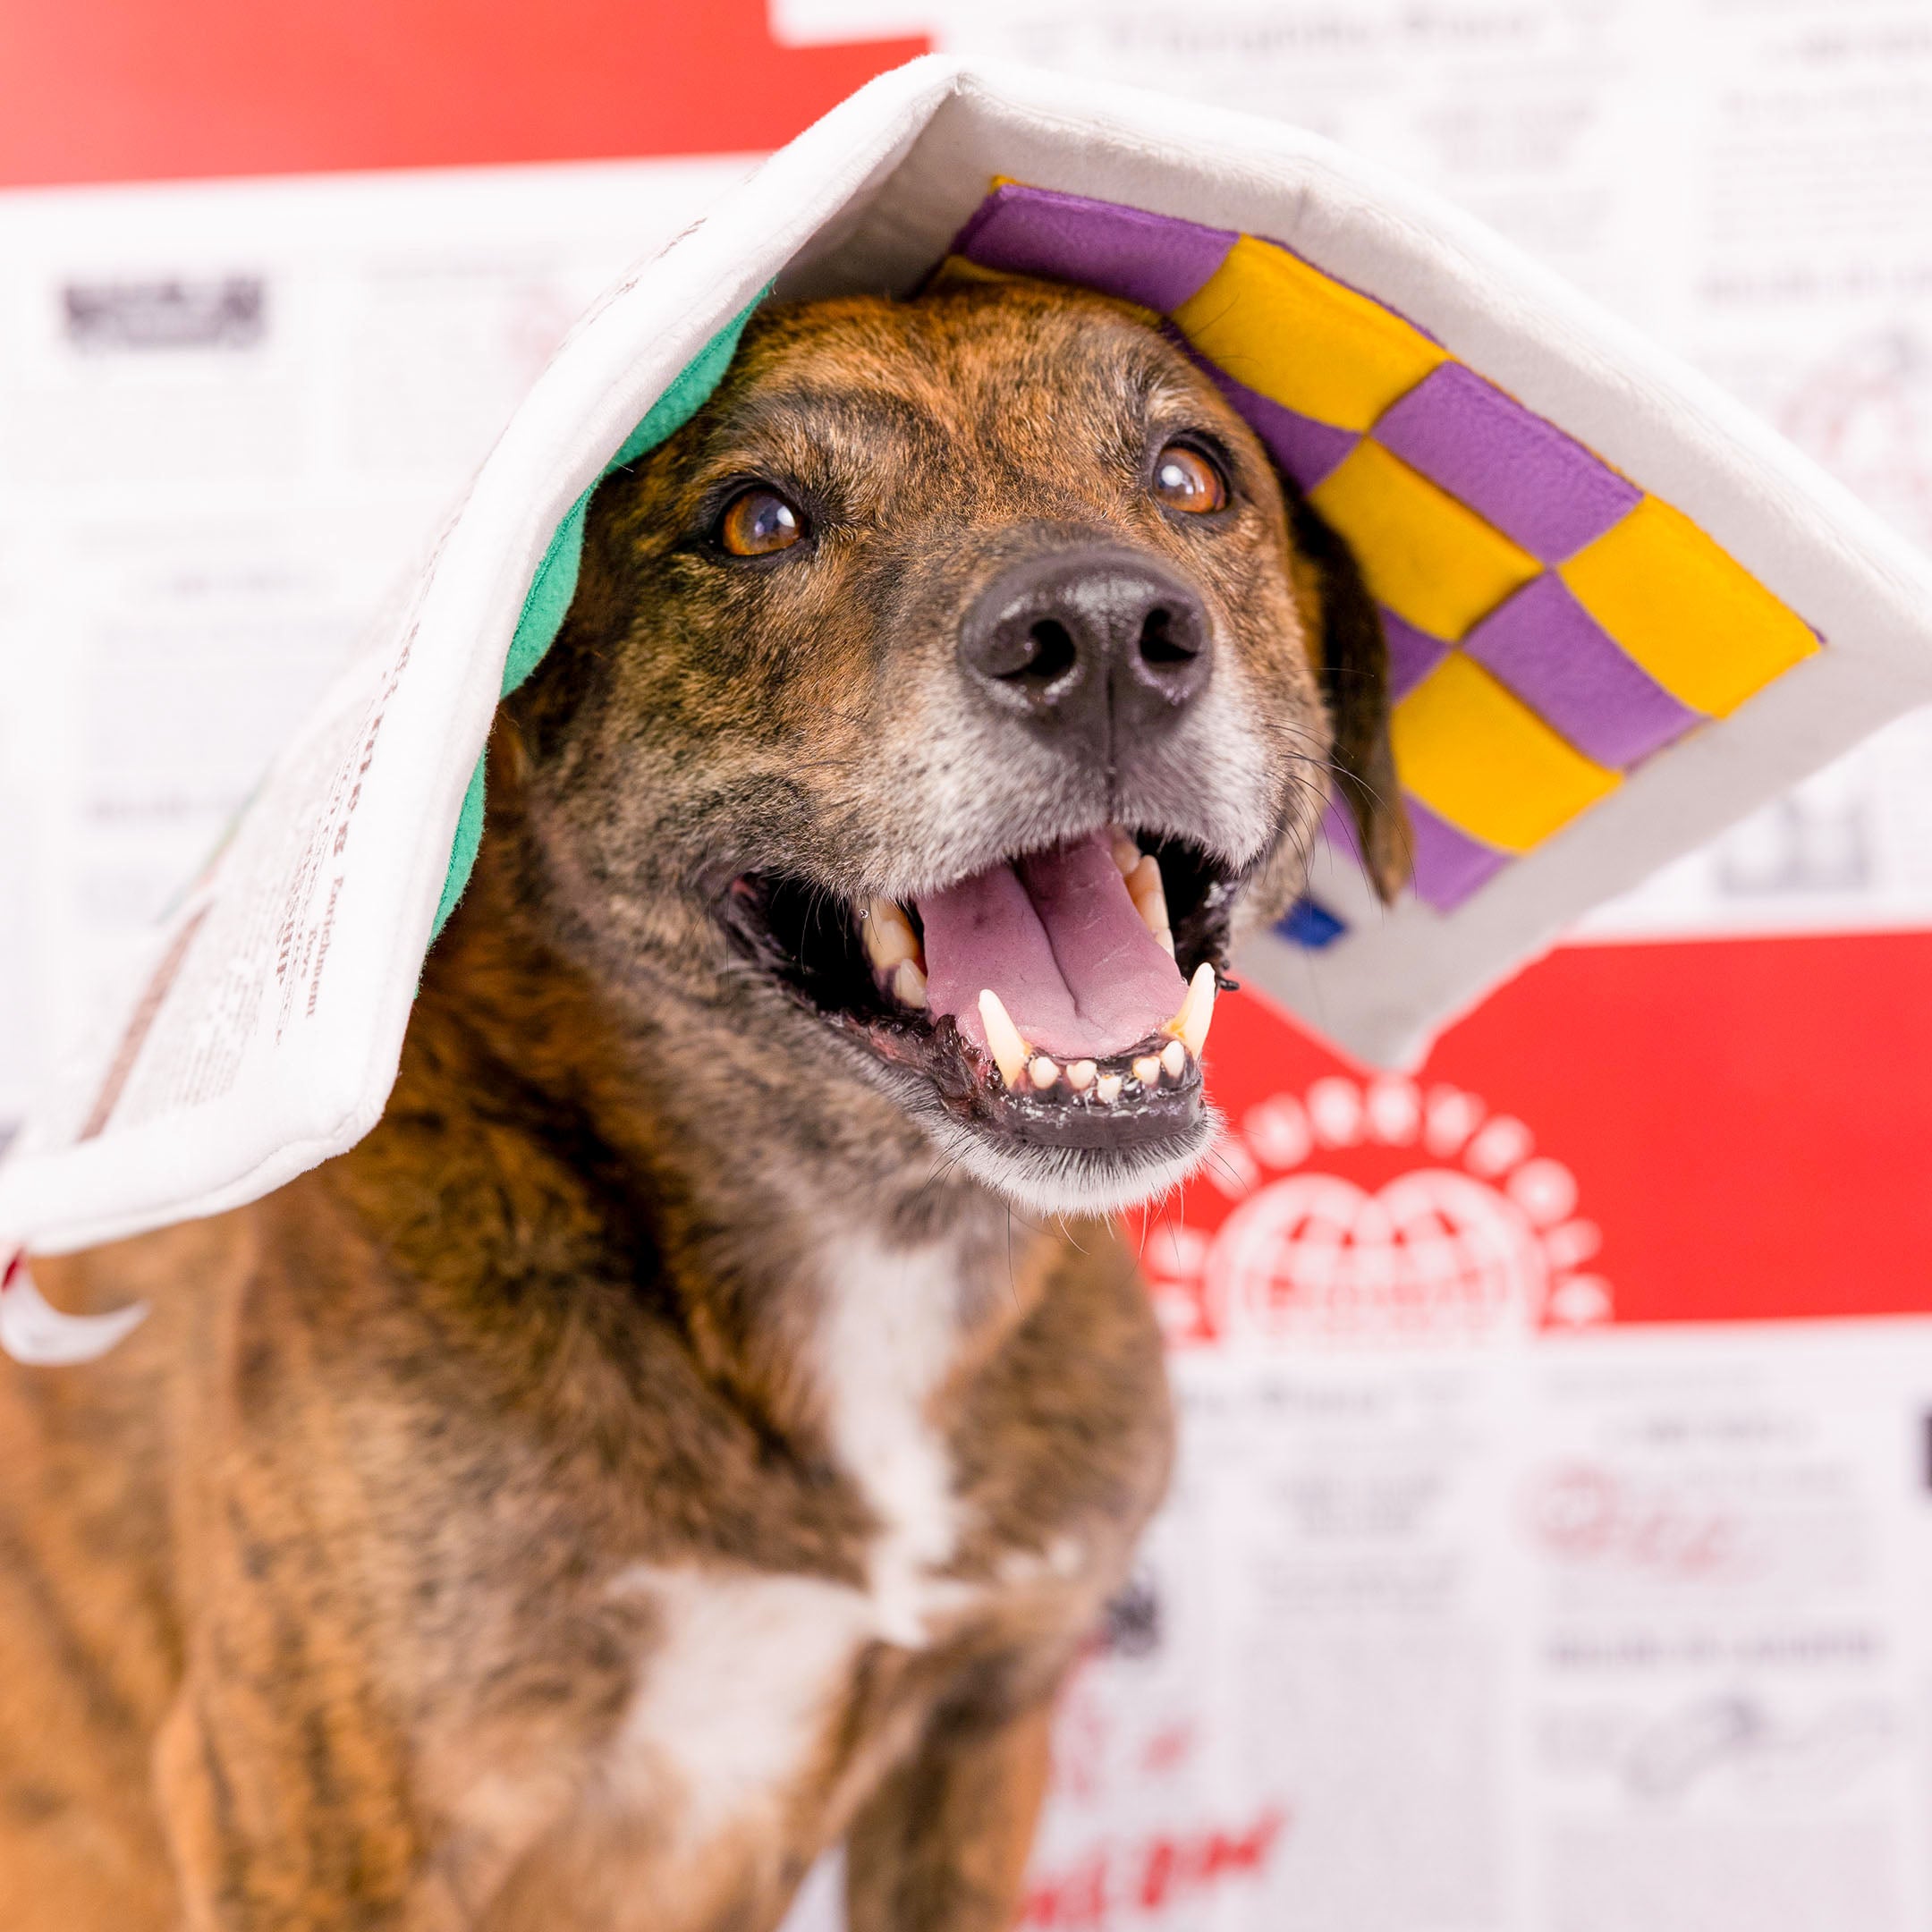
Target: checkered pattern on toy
[[1550, 624]]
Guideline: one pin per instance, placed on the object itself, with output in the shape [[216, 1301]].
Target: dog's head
[[937, 707]]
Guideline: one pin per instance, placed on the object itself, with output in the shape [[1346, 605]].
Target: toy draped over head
[[1620, 612]]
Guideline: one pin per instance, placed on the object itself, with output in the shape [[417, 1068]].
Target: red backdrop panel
[[127, 90], [1745, 1120]]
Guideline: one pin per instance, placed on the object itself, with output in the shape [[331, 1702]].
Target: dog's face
[[937, 704]]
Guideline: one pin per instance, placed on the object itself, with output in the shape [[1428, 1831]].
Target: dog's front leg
[[278, 1815], [943, 1844]]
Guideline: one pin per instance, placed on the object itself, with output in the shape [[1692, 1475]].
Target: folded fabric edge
[[554, 582]]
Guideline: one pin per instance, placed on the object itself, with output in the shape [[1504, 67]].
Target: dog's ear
[[1347, 632], [957, 272]]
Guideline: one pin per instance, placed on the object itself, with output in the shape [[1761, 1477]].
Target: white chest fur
[[745, 1678], [888, 1336], [742, 1687]]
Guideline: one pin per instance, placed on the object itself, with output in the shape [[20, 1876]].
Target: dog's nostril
[[1162, 643], [1090, 642], [1054, 651]]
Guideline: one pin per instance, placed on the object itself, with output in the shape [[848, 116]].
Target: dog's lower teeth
[[1189, 1025], [1173, 1058], [1045, 1073], [1080, 1076], [1147, 1070], [1108, 1088], [1010, 1052]]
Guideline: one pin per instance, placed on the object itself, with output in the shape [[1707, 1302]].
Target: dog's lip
[[860, 970], [1128, 1113]]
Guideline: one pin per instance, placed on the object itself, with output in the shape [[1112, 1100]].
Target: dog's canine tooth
[[1080, 1075], [1043, 1071], [1010, 1052], [1190, 1024], [888, 935], [1126, 851], [1167, 940], [1173, 1058], [1108, 1088], [1147, 1070], [909, 985], [1150, 896]]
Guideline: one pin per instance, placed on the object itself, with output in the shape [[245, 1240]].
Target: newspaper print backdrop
[[1550, 624]]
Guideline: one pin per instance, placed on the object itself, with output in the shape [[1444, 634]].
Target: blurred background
[[1598, 1598]]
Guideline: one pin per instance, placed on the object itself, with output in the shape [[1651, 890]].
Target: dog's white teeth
[[888, 935], [1150, 896], [1173, 1058], [909, 985], [1080, 1075], [1126, 851], [1108, 1088], [1043, 1073], [1190, 1024], [1010, 1052], [1147, 1070]]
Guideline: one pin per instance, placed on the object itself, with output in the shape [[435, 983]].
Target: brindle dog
[[661, 1450]]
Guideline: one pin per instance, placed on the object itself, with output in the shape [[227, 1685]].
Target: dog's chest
[[748, 1673], [888, 1336]]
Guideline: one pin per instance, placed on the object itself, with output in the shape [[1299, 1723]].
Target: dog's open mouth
[[1060, 998]]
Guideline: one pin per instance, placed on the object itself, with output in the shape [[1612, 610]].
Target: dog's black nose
[[1102, 645]]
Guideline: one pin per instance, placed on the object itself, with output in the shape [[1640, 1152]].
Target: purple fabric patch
[[1449, 864], [1554, 656], [1412, 653], [1156, 261], [1306, 450], [1339, 829], [1505, 462]]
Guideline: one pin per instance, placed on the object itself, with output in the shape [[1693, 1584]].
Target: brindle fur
[[330, 1598]]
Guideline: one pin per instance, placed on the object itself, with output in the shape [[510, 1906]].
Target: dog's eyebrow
[[821, 411], [1162, 386]]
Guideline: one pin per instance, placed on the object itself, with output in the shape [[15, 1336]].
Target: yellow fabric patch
[[1288, 331], [1695, 619], [1426, 556], [963, 269], [1486, 762]]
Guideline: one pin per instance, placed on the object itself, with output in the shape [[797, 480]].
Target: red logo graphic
[[1153, 1875], [1371, 1209]]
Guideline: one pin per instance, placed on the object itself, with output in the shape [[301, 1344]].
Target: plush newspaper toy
[[1621, 612]]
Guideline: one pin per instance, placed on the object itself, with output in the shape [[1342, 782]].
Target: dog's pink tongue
[[1060, 942]]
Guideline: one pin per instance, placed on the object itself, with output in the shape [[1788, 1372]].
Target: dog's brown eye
[[758, 521], [1185, 480]]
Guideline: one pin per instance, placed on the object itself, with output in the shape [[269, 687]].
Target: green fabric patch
[[555, 582]]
